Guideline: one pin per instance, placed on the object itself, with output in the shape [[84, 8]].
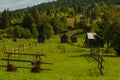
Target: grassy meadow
[[73, 64]]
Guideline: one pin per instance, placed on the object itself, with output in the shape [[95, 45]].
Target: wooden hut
[[41, 38], [73, 38], [90, 40], [64, 38], [93, 40], [81, 17]]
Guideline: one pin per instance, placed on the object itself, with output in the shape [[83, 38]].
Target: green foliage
[[28, 21], [51, 18], [34, 31], [20, 32], [75, 23], [115, 32], [116, 43], [109, 26], [64, 22], [10, 32], [5, 19], [56, 24], [46, 29], [35, 14], [83, 25], [27, 34]]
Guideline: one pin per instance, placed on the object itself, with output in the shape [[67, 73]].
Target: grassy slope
[[71, 20], [74, 64]]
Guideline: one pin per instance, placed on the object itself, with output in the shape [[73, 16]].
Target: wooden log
[[47, 63], [26, 61], [26, 54], [37, 69], [102, 59], [26, 67], [17, 67], [47, 69], [3, 65], [15, 60]]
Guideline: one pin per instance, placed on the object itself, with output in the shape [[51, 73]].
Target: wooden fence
[[19, 48], [96, 55], [62, 48], [35, 63]]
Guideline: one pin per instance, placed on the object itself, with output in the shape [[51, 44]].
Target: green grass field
[[74, 64]]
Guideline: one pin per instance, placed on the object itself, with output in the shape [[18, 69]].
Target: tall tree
[[64, 22], [5, 19], [34, 30], [28, 21], [56, 24], [46, 29], [115, 31]]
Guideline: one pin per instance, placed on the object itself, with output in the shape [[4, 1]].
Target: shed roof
[[91, 35]]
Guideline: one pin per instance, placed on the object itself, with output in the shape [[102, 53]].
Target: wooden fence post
[[8, 59]]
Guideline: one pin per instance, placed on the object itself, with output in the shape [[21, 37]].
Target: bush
[[10, 32], [27, 34], [20, 32], [46, 29], [80, 31]]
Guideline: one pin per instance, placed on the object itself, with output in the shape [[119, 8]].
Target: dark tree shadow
[[82, 55], [109, 55]]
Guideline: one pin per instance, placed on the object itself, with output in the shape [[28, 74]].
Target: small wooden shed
[[90, 40], [41, 38], [73, 38], [64, 38], [93, 40]]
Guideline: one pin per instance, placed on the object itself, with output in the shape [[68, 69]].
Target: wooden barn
[[64, 38], [93, 40]]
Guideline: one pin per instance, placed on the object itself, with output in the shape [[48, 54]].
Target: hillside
[[58, 17]]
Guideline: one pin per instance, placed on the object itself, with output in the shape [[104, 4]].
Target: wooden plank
[[25, 61], [17, 67], [26, 54], [47, 69], [26, 67], [102, 59], [15, 60], [46, 63], [3, 65]]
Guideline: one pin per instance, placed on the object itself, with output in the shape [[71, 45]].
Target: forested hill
[[63, 5], [69, 3]]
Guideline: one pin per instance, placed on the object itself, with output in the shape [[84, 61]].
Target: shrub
[[20, 32]]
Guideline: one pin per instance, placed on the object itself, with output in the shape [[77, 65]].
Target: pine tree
[[5, 19]]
